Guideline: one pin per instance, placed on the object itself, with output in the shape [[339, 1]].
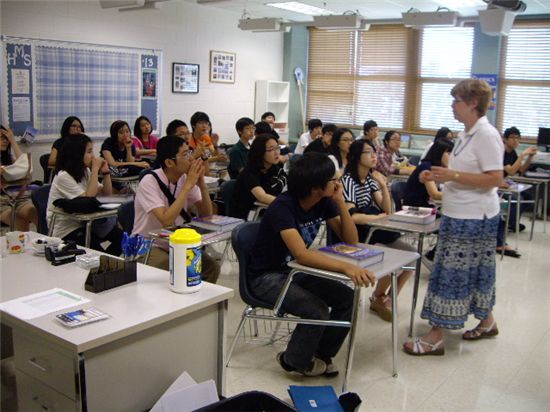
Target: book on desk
[[418, 215], [216, 223], [359, 255], [315, 398]]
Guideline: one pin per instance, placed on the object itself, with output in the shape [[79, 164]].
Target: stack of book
[[418, 215], [216, 223], [359, 255]]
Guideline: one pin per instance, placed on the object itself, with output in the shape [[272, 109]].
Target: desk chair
[[39, 199], [46, 169], [226, 193], [125, 215], [243, 239], [87, 218], [398, 193]]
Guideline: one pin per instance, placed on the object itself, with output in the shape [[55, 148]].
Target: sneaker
[[513, 228], [380, 306], [317, 366], [430, 255], [332, 369]]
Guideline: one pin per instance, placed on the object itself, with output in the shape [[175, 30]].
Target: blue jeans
[[313, 298]]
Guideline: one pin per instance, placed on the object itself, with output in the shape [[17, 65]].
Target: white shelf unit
[[273, 96]]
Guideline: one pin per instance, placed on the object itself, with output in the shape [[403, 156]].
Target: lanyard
[[460, 148]]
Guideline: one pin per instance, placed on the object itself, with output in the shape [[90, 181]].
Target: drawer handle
[[37, 400], [34, 362]]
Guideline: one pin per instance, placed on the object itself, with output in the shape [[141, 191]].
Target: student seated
[[264, 128], [269, 118], [238, 154], [322, 145], [77, 175], [339, 148], [314, 131], [71, 125], [25, 212], [368, 198], [201, 142], [420, 191], [442, 133], [144, 142], [262, 179], [370, 134], [183, 177], [387, 163], [289, 226], [514, 165], [119, 151], [178, 128]]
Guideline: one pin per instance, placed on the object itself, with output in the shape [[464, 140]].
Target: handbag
[[17, 170], [81, 204]]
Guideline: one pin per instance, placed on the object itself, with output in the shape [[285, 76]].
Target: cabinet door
[[41, 361], [33, 395]]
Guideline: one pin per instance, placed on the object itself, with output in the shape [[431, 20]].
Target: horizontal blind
[[446, 58], [524, 98], [447, 52], [381, 75], [331, 75]]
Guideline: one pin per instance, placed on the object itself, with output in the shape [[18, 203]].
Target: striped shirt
[[362, 195]]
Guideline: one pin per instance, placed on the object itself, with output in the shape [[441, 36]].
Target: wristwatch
[[456, 176]]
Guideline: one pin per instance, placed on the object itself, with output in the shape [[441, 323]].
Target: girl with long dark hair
[[77, 174]]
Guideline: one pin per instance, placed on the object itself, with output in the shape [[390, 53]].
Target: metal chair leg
[[237, 334]]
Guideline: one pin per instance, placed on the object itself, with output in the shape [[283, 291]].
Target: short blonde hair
[[474, 89]]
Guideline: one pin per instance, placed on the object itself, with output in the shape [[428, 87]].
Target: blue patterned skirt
[[463, 276]]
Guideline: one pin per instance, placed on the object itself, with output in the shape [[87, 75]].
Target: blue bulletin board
[[46, 81]]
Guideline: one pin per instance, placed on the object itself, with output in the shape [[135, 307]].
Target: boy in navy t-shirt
[[289, 226]]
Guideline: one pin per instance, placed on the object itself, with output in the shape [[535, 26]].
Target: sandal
[[417, 349], [480, 332], [380, 305]]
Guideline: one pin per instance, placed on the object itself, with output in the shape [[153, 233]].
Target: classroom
[[225, 64]]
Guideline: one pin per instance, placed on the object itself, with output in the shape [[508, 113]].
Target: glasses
[[346, 140], [271, 149], [185, 155], [395, 139], [369, 152], [76, 126]]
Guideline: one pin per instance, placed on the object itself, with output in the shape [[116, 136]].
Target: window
[[524, 89], [446, 58], [354, 76]]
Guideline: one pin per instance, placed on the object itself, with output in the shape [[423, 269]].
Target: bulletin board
[[45, 81]]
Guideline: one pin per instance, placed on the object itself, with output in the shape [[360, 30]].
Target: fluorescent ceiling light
[[349, 21], [430, 19], [461, 4], [298, 7]]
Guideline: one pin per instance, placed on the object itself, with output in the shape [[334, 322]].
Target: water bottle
[[185, 261]]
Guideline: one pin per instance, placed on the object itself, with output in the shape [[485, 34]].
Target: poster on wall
[[149, 83], [185, 78], [222, 67], [492, 80]]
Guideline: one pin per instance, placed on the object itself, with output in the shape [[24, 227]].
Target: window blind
[[445, 59], [354, 76], [524, 89]]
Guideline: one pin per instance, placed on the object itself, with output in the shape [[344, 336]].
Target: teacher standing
[[463, 277]]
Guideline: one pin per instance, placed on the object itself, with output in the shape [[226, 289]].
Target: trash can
[[253, 401]]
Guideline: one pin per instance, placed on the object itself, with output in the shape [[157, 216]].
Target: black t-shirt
[[415, 191], [272, 181], [509, 159], [270, 251], [112, 146], [58, 144], [316, 146]]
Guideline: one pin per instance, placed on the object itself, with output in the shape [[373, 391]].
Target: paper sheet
[[42, 303]]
